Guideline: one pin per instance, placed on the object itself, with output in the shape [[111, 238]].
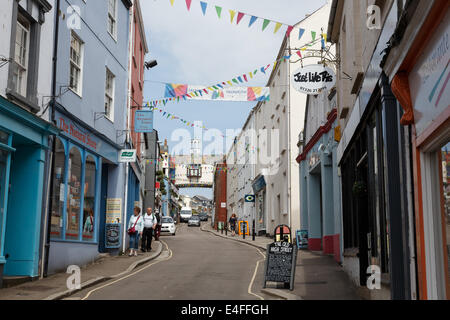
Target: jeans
[[134, 241]]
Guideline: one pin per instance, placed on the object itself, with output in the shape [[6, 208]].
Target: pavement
[[317, 277], [106, 268]]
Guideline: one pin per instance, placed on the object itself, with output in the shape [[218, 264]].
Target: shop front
[[320, 187], [422, 86], [23, 147], [85, 167]]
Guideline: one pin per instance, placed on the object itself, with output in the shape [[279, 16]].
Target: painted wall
[[100, 51], [45, 50]]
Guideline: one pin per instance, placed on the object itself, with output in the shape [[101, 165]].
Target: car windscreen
[[166, 220], [186, 212]]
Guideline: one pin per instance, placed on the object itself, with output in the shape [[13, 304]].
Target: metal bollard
[[226, 229], [254, 231], [243, 231]]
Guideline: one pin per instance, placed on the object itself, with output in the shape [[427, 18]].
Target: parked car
[[185, 214], [194, 221], [168, 225], [203, 217]]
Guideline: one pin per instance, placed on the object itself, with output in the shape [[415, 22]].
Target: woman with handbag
[[135, 229]]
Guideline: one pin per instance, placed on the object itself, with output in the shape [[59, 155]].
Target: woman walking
[[135, 229], [232, 222]]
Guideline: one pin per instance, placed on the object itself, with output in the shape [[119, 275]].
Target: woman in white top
[[135, 228]]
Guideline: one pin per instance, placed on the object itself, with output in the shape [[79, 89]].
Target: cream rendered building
[[274, 175]]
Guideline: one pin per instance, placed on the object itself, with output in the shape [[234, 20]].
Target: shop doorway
[[435, 188], [23, 219]]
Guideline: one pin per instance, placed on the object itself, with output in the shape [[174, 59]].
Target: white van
[[185, 214]]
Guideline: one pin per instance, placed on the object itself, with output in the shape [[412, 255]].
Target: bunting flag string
[[253, 18], [180, 92]]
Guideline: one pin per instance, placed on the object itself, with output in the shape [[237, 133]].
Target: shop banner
[[238, 94]]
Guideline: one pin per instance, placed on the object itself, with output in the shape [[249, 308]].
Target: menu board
[[112, 239], [281, 260]]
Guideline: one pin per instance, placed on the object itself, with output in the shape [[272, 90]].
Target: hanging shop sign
[[128, 155], [249, 198], [313, 79], [143, 121]]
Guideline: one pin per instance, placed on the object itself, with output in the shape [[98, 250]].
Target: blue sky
[[203, 50]]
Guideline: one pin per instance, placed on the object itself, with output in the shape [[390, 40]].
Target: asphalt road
[[194, 265]]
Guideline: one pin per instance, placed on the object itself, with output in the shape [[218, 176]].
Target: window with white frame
[[76, 48], [22, 45], [109, 95], [112, 17]]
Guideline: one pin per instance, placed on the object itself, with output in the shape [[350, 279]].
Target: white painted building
[[241, 171], [274, 177]]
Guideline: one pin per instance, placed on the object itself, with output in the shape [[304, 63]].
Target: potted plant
[[359, 188]]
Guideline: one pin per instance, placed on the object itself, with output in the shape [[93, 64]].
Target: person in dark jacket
[[232, 222], [157, 230]]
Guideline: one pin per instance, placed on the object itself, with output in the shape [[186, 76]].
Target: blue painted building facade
[[24, 134], [90, 109], [320, 185]]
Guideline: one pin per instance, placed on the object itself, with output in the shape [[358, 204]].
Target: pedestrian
[[135, 229], [157, 230], [150, 223], [232, 222]]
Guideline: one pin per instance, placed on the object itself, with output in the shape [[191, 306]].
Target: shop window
[[4, 137], [89, 199], [73, 195], [56, 223]]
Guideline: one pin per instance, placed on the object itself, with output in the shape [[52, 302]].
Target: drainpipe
[[52, 166], [127, 165]]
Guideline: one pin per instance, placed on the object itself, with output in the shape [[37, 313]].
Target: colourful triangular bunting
[[204, 5]]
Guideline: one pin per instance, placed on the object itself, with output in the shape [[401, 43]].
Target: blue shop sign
[[259, 184], [143, 121]]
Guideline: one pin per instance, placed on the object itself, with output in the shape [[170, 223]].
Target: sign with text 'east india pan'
[[281, 260]]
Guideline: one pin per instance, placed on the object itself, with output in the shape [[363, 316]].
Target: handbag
[[132, 230]]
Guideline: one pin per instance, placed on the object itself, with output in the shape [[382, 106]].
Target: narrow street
[[197, 266]]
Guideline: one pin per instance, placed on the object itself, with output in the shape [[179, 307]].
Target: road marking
[[131, 274], [254, 275], [256, 269]]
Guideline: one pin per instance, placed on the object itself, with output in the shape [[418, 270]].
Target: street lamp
[[150, 64]]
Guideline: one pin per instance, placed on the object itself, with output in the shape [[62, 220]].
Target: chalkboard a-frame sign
[[112, 236], [280, 263]]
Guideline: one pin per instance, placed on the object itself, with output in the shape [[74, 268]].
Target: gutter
[[52, 120], [332, 19]]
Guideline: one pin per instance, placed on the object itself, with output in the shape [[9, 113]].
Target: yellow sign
[[113, 210]]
